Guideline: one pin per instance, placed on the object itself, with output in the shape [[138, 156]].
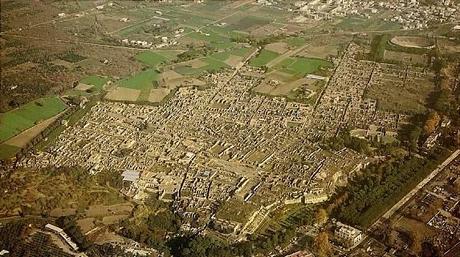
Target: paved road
[[414, 191]]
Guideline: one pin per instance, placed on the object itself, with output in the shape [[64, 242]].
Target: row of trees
[[380, 186]]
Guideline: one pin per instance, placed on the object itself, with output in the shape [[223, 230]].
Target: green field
[[18, 120], [302, 66], [263, 58], [141, 80], [155, 58], [96, 81], [150, 58]]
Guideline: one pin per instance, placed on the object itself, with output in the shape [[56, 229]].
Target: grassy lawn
[[302, 66], [18, 120], [141, 80], [263, 58], [8, 151], [96, 81]]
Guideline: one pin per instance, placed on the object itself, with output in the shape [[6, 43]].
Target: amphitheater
[[413, 42]]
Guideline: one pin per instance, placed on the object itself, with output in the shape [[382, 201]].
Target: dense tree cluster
[[345, 140], [194, 52], [68, 224]]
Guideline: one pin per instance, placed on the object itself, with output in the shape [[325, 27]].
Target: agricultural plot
[[22, 139], [268, 29], [242, 51], [247, 23], [188, 19], [136, 87], [225, 55], [226, 31], [144, 30], [263, 58], [123, 94], [296, 41], [362, 24], [233, 60], [231, 57], [301, 66], [155, 58], [96, 82], [199, 66], [320, 47], [278, 47], [141, 80], [212, 38], [170, 75], [28, 115], [158, 94]]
